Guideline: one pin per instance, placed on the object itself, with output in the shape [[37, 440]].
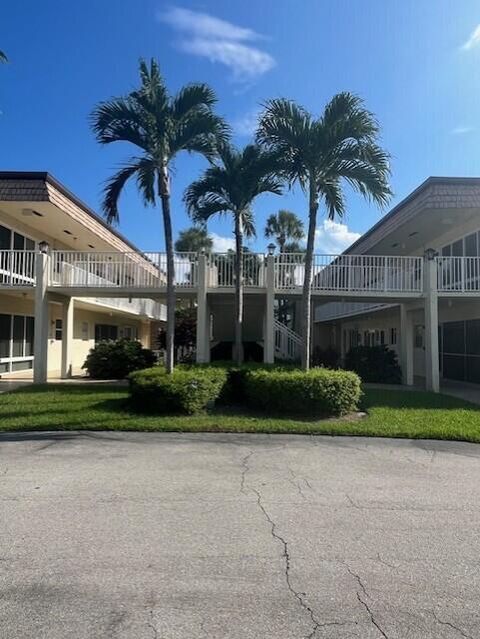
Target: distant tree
[[284, 227], [194, 240], [321, 154], [160, 126], [230, 187]]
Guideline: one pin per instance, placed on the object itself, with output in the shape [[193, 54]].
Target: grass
[[390, 413]]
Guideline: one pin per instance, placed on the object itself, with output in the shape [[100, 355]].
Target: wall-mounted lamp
[[430, 254], [271, 249], [43, 246]]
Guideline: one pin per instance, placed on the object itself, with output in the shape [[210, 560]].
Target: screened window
[[58, 329]]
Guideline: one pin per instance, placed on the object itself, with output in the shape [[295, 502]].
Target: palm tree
[[160, 126], [231, 186], [3, 57], [321, 154], [285, 227], [194, 240]]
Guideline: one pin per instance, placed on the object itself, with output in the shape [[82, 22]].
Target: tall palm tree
[[321, 154], [160, 126], [231, 186], [194, 240], [284, 227]]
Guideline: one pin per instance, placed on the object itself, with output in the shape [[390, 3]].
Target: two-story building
[[437, 334], [36, 212]]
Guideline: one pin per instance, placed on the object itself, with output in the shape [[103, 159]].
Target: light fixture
[[43, 246], [91, 246], [271, 248], [67, 232], [430, 254]]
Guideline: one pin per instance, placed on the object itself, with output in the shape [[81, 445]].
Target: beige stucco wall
[[82, 341]]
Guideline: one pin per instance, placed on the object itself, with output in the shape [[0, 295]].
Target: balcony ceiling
[[52, 226], [424, 230]]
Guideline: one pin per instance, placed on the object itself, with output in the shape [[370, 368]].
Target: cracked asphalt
[[182, 536]]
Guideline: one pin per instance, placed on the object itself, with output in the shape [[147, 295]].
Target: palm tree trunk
[[164, 191], [238, 290], [307, 282]]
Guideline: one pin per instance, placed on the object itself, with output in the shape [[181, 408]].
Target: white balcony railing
[[17, 268], [362, 273], [458, 274], [221, 270], [120, 270]]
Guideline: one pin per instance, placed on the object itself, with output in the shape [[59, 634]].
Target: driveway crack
[[362, 599], [286, 555], [451, 625]]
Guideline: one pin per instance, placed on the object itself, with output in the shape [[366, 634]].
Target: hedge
[[186, 390], [374, 364], [318, 392], [116, 359]]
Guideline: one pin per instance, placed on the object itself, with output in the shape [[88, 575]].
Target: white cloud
[[461, 130], [219, 41], [332, 238], [247, 124], [222, 244], [473, 40]]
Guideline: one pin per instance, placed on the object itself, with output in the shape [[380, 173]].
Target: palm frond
[[118, 120], [113, 189], [192, 96], [3, 57]]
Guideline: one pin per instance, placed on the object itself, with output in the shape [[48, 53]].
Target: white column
[[203, 319], [269, 323], [67, 338], [406, 345], [40, 345], [431, 326]]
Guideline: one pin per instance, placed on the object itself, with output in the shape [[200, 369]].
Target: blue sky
[[416, 64]]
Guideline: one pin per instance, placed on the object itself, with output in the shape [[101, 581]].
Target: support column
[[406, 345], [203, 328], [40, 345], [67, 338], [269, 323], [431, 323]]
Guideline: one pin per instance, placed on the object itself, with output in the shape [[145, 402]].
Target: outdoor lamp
[[43, 246], [430, 254], [271, 249]]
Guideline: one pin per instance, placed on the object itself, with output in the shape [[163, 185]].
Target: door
[[419, 350]]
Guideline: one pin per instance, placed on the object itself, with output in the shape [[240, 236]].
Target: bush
[[115, 360], [326, 357], [186, 390], [374, 364], [318, 392]]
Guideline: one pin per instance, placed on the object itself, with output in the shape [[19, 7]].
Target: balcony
[[114, 274]]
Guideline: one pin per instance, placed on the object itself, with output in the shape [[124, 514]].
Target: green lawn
[[391, 413]]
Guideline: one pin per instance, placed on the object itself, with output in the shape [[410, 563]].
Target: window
[[105, 332], [58, 329], [85, 331], [16, 342], [393, 336], [5, 335], [18, 335], [419, 336]]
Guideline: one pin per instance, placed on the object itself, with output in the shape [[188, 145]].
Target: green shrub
[[116, 360], [318, 392], [374, 364], [234, 391], [186, 390], [326, 357]]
